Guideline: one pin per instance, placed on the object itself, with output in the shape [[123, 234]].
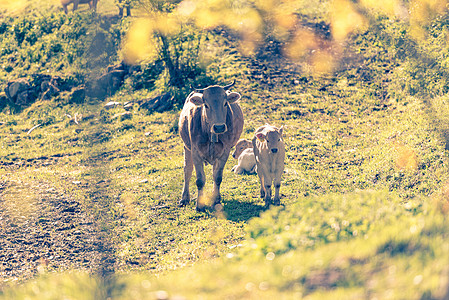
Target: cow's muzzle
[[274, 150], [220, 128]]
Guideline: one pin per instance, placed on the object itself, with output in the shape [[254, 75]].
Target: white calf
[[269, 151], [245, 155]]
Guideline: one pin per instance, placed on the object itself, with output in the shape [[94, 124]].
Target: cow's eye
[[206, 106]]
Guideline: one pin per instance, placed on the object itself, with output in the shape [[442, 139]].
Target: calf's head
[[241, 146], [273, 137], [215, 100]]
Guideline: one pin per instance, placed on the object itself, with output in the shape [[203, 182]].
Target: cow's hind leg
[[188, 170]]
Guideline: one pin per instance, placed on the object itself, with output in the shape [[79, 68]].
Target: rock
[[109, 82], [77, 95], [20, 93], [25, 98], [160, 103], [120, 66], [123, 116], [3, 100], [128, 105], [112, 81], [49, 88], [16, 87], [23, 91], [111, 104]]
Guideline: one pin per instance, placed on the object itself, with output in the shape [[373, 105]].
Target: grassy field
[[364, 192]]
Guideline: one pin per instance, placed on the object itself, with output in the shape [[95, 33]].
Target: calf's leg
[[188, 170], [267, 188], [262, 190], [277, 187]]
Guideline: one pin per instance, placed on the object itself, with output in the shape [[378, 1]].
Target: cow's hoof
[[276, 202], [217, 201], [200, 208], [268, 203], [183, 202]]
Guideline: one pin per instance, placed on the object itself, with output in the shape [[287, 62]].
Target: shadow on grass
[[238, 211]]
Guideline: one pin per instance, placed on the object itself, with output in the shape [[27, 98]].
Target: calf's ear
[[260, 136], [281, 130], [233, 97], [196, 99]]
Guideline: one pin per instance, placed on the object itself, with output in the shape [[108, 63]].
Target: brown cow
[[210, 124], [65, 3], [269, 151]]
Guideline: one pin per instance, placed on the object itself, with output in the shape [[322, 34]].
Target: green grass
[[363, 193]]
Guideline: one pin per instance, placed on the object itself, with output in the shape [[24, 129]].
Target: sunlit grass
[[328, 240]]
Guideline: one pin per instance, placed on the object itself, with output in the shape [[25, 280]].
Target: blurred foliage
[[76, 45], [256, 22], [370, 126]]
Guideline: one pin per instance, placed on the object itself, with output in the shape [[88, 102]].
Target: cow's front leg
[[188, 170], [218, 177], [200, 181], [277, 187]]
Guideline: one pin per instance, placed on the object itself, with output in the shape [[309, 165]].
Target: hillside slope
[[364, 192]]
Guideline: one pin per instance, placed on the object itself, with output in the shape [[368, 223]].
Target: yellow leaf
[[389, 7], [406, 158], [138, 43], [323, 62], [345, 19], [302, 43]]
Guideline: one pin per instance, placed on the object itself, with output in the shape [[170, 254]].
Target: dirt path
[[43, 229]]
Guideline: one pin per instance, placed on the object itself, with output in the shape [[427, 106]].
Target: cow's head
[[272, 136], [215, 100]]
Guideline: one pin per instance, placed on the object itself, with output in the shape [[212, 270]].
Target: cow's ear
[[233, 97], [197, 99], [260, 136]]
